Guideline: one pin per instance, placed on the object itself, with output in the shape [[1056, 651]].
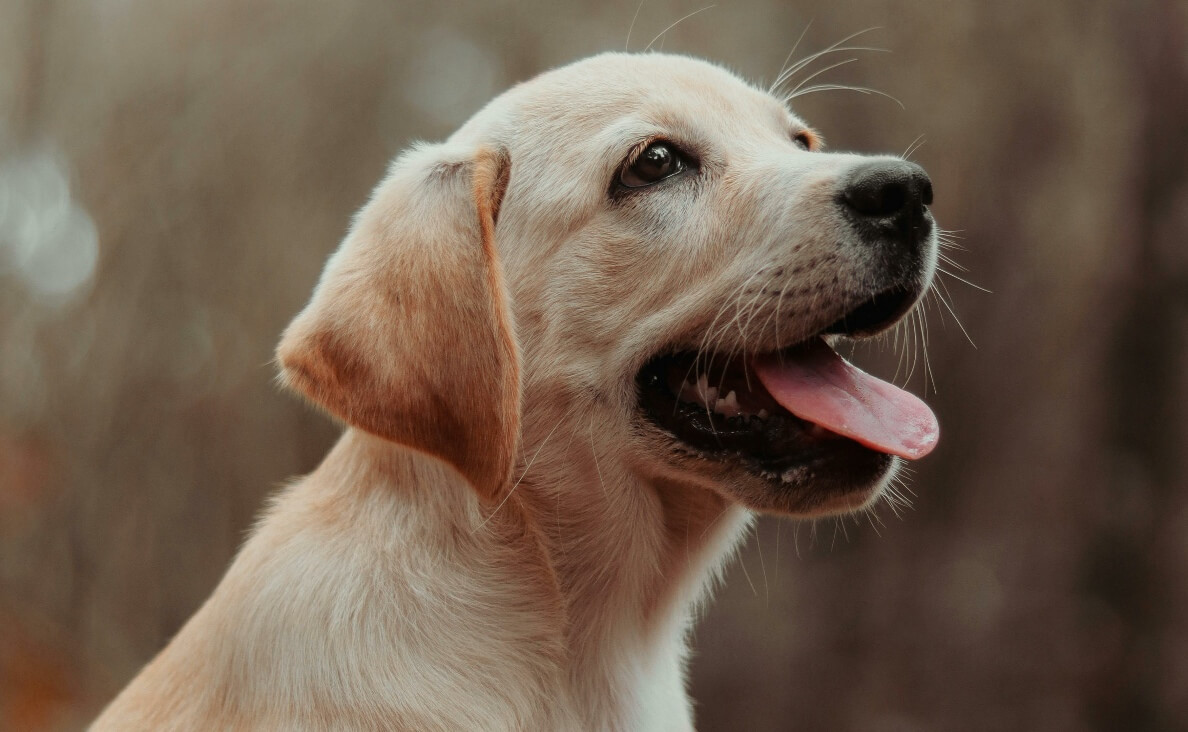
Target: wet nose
[[888, 190]]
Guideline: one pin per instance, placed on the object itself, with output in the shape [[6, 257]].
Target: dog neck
[[630, 558], [634, 558]]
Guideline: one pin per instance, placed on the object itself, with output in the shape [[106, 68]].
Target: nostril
[[877, 196], [926, 192]]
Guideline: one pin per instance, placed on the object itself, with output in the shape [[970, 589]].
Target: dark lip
[[882, 311]]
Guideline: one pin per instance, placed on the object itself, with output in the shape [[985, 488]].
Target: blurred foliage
[[173, 175]]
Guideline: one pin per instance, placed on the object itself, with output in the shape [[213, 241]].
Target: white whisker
[[594, 454], [951, 262], [940, 295], [844, 87], [742, 563], [915, 145], [520, 479], [962, 279], [779, 76], [817, 73], [678, 22], [762, 564], [834, 48], [627, 45], [924, 343]]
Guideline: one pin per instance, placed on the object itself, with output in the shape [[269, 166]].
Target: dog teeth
[[699, 392], [728, 406]]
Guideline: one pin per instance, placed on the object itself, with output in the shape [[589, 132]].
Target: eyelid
[[814, 139], [636, 151]]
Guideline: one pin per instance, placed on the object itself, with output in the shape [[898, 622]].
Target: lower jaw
[[844, 482], [809, 492]]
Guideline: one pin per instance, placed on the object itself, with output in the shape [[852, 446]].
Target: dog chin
[[848, 477], [814, 491]]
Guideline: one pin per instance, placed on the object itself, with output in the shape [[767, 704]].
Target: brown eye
[[658, 161], [803, 141]]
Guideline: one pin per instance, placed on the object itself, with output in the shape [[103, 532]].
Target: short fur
[[498, 541]]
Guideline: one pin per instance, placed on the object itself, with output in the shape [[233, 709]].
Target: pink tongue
[[817, 385]]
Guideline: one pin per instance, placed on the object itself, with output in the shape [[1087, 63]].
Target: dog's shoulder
[[376, 593]]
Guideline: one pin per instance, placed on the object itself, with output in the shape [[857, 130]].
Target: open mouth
[[794, 407]]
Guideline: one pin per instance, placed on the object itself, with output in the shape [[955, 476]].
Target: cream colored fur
[[496, 543]]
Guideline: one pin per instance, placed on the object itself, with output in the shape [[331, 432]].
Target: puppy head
[[408, 334], [665, 229], [669, 228]]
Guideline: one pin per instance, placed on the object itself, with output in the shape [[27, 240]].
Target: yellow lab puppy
[[575, 347]]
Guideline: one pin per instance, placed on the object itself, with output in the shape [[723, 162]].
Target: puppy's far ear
[[408, 335]]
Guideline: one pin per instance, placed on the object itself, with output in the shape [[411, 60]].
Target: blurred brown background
[[173, 175]]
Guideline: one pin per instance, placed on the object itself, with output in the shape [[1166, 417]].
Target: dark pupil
[[654, 163]]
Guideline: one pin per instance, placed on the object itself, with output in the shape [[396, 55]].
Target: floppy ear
[[408, 335]]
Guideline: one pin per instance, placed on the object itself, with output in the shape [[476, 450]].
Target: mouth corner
[[876, 315]]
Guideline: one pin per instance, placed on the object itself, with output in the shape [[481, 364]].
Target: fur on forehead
[[568, 129], [620, 81], [573, 102]]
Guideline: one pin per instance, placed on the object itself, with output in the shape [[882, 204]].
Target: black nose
[[889, 190]]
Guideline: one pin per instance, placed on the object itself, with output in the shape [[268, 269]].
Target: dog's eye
[[658, 161], [804, 141]]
